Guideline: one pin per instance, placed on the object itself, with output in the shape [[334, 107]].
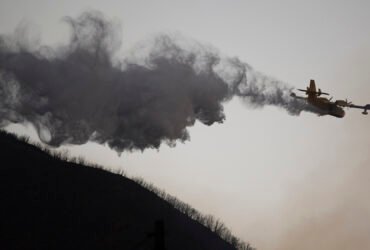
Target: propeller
[[347, 103], [343, 103]]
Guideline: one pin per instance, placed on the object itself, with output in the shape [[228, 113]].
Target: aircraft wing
[[298, 97], [365, 108], [359, 107]]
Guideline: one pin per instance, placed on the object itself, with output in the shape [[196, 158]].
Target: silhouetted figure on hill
[[159, 235]]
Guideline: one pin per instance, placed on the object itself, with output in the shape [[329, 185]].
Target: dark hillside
[[47, 203]]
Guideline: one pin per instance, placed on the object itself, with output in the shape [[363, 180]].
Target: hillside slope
[[47, 203]]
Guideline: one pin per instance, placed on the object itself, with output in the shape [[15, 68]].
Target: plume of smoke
[[78, 92]]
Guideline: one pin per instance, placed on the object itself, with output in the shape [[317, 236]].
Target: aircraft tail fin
[[312, 86]]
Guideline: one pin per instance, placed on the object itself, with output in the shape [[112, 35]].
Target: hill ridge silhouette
[[50, 203]]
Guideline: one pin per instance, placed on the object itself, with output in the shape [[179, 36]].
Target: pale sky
[[271, 177]]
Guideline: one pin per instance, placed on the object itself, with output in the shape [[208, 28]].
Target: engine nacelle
[[340, 103], [365, 112]]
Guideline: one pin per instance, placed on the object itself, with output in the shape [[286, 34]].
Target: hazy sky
[[278, 181]]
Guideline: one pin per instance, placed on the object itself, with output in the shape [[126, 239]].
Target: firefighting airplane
[[326, 106]]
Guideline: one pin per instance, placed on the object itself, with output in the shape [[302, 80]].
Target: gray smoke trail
[[77, 93]]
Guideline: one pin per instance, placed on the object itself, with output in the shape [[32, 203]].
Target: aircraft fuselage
[[326, 107]]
